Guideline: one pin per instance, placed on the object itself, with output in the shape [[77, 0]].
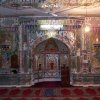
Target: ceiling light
[[97, 40], [51, 27], [87, 28]]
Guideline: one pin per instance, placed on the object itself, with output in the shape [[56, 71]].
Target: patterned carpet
[[51, 93]]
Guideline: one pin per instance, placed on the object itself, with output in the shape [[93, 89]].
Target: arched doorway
[[50, 56]]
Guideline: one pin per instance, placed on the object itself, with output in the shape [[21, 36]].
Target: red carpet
[[50, 93], [65, 92], [78, 92]]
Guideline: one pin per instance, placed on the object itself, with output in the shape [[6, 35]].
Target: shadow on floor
[[50, 84]]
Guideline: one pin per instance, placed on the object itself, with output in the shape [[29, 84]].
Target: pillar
[[20, 48]]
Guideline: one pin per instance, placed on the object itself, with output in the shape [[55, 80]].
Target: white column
[[83, 38], [20, 48], [36, 58]]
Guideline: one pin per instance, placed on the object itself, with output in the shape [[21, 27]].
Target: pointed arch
[[35, 45]]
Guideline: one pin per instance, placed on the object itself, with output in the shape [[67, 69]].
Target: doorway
[[49, 58]]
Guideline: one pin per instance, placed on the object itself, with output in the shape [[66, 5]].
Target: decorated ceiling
[[49, 7]]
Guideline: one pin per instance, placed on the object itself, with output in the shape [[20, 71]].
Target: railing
[[86, 79], [47, 75], [15, 79], [10, 80], [29, 79]]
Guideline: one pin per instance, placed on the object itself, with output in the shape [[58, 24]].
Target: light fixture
[[87, 29], [51, 27], [97, 40]]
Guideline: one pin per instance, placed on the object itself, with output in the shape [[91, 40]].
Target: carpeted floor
[[50, 93]]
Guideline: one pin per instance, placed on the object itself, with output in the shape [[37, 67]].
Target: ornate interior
[[49, 40]]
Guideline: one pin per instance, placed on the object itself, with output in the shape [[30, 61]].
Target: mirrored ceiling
[[50, 7]]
